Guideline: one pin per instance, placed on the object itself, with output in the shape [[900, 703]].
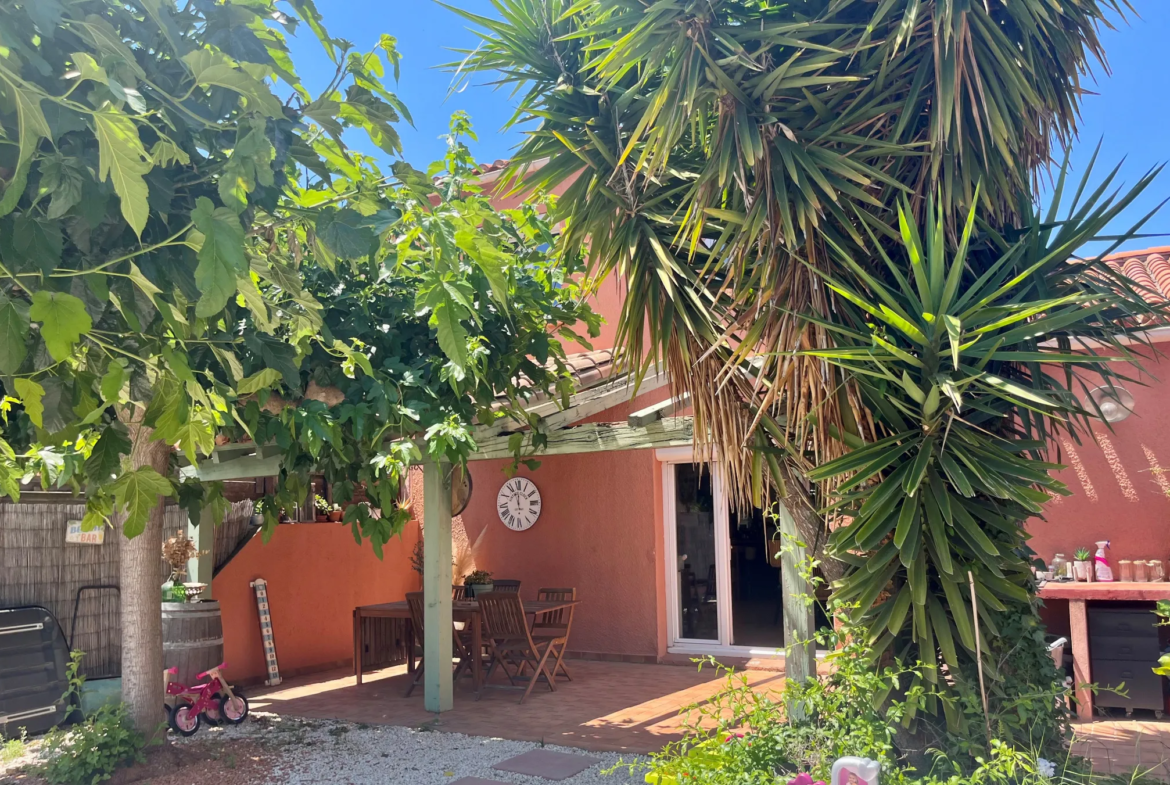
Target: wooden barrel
[[192, 638]]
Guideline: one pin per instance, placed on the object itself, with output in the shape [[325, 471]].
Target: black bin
[[33, 656]]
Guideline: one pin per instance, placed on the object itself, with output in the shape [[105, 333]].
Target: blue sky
[[1130, 113]]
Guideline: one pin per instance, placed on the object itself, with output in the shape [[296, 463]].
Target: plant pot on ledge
[[1082, 571]]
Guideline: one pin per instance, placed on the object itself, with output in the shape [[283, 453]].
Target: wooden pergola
[[653, 427]]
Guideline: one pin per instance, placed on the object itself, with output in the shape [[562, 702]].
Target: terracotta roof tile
[[1149, 268]]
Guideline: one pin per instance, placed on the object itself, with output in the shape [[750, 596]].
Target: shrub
[[864, 708], [90, 751]]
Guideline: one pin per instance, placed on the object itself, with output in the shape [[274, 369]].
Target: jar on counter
[[1125, 570], [1140, 572]]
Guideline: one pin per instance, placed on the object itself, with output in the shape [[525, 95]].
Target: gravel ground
[[290, 751], [312, 751]]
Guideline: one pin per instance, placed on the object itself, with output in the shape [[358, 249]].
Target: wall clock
[[518, 503]]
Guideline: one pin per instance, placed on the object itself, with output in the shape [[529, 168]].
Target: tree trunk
[[810, 525], [139, 566]]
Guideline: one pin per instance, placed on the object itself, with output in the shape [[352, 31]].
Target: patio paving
[[608, 707], [1120, 746], [620, 707]]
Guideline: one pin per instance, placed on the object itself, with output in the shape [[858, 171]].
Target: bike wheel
[[212, 715], [183, 720], [233, 709]]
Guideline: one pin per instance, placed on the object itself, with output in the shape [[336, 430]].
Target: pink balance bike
[[214, 701]]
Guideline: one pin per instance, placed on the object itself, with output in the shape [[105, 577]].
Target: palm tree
[[758, 175]]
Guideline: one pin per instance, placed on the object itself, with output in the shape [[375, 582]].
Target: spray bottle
[[1104, 571]]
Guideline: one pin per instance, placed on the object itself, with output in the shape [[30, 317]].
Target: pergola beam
[[601, 437], [582, 405], [658, 411]]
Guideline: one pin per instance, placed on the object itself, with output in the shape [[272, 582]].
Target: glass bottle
[[1125, 567]]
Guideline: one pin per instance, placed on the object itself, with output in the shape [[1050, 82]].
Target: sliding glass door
[[723, 568]]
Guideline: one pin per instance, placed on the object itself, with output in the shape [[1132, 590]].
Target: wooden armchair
[[510, 640]]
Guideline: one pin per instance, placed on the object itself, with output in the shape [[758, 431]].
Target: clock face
[[518, 504]]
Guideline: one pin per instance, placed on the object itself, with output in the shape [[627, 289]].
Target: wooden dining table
[[466, 611]]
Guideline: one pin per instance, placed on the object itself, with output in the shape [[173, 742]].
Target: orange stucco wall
[[600, 531], [1116, 496], [316, 576]]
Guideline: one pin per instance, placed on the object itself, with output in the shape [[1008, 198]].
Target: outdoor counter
[[1077, 595]]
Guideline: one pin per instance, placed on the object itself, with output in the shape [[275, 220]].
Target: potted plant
[[258, 512], [323, 508], [478, 581], [335, 513], [1081, 566], [176, 552]]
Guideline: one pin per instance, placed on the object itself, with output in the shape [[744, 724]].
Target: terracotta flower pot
[[322, 517], [335, 515]]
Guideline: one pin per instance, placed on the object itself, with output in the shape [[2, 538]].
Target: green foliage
[[186, 241], [433, 307], [13, 749], [1081, 554], [93, 749], [742, 736]]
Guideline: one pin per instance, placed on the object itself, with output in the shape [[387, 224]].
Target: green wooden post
[[199, 569], [800, 655], [437, 621]]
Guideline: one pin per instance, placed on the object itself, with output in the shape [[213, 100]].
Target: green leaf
[[13, 334], [138, 492], [123, 161], [343, 234], [106, 457], [30, 394], [221, 258], [113, 381], [452, 335], [63, 321], [31, 127], [220, 74], [258, 381]]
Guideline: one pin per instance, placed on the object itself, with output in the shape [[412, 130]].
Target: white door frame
[[671, 457]]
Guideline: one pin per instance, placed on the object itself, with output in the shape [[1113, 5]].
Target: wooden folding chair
[[510, 640], [415, 600], [555, 626], [509, 586], [458, 592]]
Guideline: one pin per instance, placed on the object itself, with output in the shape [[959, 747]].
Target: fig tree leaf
[[221, 258], [123, 161], [138, 493], [106, 457], [343, 234], [63, 321], [30, 394], [258, 381], [221, 74], [31, 126], [13, 335]]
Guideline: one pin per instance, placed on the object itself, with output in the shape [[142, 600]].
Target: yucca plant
[[970, 361]]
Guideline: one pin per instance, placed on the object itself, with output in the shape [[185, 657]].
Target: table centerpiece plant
[[477, 582]]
